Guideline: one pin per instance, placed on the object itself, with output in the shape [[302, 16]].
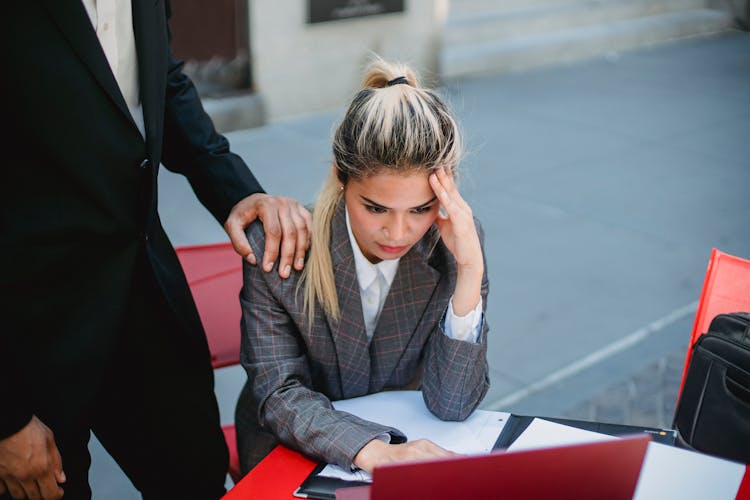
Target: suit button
[[145, 164]]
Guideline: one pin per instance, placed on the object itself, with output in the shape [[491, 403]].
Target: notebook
[[606, 469], [516, 424]]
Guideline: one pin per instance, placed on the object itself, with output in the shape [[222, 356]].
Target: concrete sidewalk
[[602, 187]]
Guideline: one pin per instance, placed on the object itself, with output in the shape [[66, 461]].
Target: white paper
[[667, 471], [545, 434], [406, 411], [331, 470], [670, 472]]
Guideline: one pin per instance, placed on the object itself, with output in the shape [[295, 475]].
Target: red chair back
[[214, 273], [726, 289]]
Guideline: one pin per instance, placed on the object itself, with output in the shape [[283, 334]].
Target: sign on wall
[[332, 10]]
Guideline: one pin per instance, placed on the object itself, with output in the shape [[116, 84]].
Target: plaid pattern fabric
[[295, 369]]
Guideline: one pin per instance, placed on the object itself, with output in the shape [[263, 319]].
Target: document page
[[667, 472], [670, 472], [545, 434], [406, 411]]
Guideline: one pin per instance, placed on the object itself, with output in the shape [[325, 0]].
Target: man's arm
[[16, 411], [223, 182]]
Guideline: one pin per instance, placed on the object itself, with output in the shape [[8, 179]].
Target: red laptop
[[607, 469]]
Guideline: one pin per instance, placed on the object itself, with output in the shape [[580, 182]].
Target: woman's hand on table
[[378, 452]]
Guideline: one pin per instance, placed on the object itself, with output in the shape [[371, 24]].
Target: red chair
[[214, 273], [726, 289]]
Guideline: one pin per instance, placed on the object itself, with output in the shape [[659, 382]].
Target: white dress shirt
[[375, 282], [113, 22]]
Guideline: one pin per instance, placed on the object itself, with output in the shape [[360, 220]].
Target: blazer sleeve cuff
[[364, 437], [14, 417], [16, 411]]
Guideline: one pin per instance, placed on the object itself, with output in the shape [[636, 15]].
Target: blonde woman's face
[[390, 212]]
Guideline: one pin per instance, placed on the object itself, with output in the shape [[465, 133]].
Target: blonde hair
[[391, 124]]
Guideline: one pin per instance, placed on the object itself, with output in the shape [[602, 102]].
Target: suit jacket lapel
[[410, 293], [348, 333], [152, 47], [73, 21]]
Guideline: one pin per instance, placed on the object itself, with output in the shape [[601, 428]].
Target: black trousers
[[155, 411]]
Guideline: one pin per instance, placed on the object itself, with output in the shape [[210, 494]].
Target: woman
[[392, 295]]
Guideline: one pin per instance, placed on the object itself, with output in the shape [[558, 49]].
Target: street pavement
[[602, 187]]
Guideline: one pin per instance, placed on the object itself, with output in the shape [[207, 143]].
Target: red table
[[275, 477]]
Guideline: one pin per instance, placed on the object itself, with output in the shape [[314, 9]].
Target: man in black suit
[[100, 332]]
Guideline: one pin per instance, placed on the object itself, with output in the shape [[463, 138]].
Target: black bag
[[713, 414]]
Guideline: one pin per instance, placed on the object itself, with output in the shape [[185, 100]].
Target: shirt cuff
[[385, 437], [466, 328]]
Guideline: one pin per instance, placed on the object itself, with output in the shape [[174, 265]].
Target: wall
[[300, 68]]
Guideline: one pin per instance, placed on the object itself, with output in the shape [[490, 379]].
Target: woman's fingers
[[421, 449], [449, 183], [432, 449], [378, 452], [441, 194], [450, 199]]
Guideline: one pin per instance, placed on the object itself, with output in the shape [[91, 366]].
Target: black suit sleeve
[[192, 147], [16, 411]]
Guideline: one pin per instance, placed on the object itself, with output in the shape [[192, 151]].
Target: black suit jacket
[[78, 195]]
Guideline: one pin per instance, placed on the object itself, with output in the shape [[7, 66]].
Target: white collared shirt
[[375, 282], [113, 22]]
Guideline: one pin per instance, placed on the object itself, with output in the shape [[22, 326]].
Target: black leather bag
[[713, 414]]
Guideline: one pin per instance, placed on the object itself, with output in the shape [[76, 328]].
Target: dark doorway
[[212, 38]]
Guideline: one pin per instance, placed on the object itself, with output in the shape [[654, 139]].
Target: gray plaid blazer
[[295, 370]]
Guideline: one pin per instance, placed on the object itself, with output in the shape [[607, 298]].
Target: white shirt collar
[[367, 272]]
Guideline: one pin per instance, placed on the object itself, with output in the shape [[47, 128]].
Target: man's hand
[[30, 464], [287, 226], [378, 452]]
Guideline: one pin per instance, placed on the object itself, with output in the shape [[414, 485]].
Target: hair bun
[[381, 74]]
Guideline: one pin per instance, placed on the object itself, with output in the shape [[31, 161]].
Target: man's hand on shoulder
[[30, 464], [286, 223]]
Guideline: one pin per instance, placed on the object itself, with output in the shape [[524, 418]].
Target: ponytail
[[319, 283]]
